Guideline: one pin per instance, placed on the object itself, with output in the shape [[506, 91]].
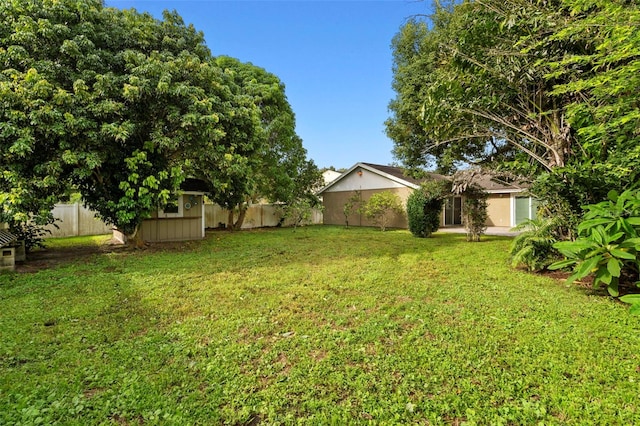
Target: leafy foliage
[[353, 205], [382, 207], [424, 208], [533, 246], [544, 89], [608, 245], [300, 211], [474, 213], [121, 107], [474, 204], [260, 156]]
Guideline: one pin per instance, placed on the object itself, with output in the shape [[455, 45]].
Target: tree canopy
[[272, 162], [121, 106], [548, 89]]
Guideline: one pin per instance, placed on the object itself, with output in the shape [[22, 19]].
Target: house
[[183, 218], [507, 204], [329, 176]]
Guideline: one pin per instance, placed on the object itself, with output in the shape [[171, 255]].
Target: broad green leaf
[[561, 264], [631, 298], [613, 288], [592, 223], [586, 267], [603, 275], [614, 267], [622, 254], [634, 309]]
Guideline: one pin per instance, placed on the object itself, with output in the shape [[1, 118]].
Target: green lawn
[[322, 325]]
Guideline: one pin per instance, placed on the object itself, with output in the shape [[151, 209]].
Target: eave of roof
[[395, 174], [7, 238]]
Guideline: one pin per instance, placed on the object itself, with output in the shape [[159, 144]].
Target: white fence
[[257, 216], [75, 219]]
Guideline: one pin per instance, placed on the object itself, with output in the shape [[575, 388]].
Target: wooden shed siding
[[187, 227]]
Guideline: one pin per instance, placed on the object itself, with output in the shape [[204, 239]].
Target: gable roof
[[491, 184], [396, 174], [194, 185], [6, 238], [400, 173]]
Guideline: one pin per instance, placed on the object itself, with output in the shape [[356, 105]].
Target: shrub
[[424, 208], [474, 212], [353, 205], [300, 211], [381, 207], [533, 248], [608, 244]]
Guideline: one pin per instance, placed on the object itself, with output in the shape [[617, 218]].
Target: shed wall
[[188, 227]]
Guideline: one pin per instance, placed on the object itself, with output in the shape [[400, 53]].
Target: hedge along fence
[[76, 220]]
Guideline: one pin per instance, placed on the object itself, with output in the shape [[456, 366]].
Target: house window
[[525, 208], [173, 208], [453, 211]]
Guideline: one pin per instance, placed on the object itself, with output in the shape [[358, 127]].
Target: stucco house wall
[[335, 201], [499, 210]]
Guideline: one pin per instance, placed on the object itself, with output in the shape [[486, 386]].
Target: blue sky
[[333, 56]]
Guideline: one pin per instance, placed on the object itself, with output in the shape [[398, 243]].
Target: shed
[[182, 219], [8, 243]]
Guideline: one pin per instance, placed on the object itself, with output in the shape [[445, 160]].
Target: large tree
[[548, 88], [272, 162], [467, 93], [120, 106], [111, 102]]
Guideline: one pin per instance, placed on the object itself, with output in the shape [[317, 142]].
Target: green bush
[[608, 244], [424, 209], [381, 208], [353, 205]]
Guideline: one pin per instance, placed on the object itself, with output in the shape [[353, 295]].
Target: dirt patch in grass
[[47, 258]]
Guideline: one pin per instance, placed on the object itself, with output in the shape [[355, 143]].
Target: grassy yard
[[322, 325]]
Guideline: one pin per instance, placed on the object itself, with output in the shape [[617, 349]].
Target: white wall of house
[[363, 179]]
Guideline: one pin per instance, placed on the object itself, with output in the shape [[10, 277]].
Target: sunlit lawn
[[323, 325]]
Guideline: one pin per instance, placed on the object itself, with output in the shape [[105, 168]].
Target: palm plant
[[533, 247]]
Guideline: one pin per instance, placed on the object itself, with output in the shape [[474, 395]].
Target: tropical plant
[[608, 245], [424, 208], [533, 247], [381, 207]]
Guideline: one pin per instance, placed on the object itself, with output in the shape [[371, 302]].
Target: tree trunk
[[241, 215], [134, 239]]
